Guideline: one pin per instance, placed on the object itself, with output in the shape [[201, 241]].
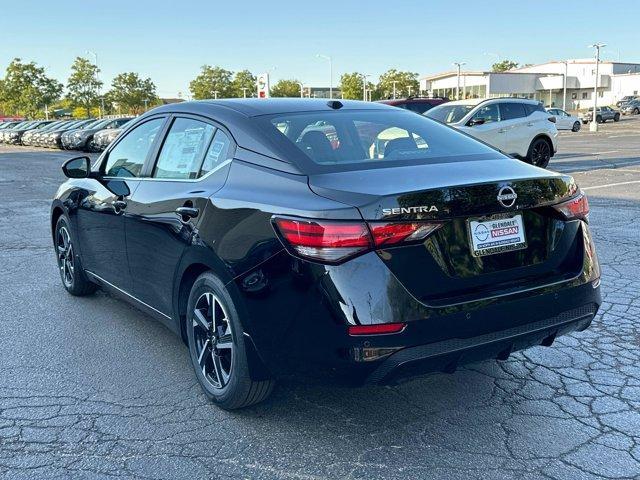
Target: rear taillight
[[576, 208], [334, 241]]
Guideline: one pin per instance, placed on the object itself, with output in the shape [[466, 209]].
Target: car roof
[[400, 101], [252, 107], [477, 101]]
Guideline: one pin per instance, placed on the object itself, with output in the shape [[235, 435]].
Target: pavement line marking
[[611, 185], [626, 170]]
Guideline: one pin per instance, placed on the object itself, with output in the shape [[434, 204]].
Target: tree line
[[27, 90]]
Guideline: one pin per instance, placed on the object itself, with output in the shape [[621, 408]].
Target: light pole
[[594, 125], [409, 88], [327, 57], [95, 56], [244, 92], [215, 94], [301, 90], [394, 88], [458, 65], [364, 85], [564, 86]]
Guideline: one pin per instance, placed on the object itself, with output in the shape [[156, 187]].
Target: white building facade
[[545, 82]]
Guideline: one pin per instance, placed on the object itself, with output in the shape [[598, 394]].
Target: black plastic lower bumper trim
[[447, 355]]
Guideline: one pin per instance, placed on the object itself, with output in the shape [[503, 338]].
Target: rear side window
[[368, 139], [509, 110], [183, 149], [530, 108], [127, 157], [217, 152]]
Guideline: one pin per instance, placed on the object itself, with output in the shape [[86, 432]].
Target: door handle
[[530, 124], [119, 205], [187, 212], [502, 130]]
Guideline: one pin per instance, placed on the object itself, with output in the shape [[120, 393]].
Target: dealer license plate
[[497, 235]]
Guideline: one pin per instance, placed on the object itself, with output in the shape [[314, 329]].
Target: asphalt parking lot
[[92, 388]]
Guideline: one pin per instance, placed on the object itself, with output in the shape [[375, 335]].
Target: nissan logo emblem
[[507, 197]]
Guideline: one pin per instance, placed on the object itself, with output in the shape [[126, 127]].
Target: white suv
[[515, 126]]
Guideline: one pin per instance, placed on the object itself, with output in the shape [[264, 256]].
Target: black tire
[[576, 127], [599, 119], [616, 117], [74, 280], [636, 111], [539, 153], [222, 372]]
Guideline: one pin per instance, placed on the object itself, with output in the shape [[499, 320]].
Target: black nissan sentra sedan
[[338, 240]]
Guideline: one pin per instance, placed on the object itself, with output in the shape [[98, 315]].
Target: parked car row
[[602, 115], [63, 134]]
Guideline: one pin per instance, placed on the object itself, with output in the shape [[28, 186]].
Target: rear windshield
[[358, 139], [449, 113]]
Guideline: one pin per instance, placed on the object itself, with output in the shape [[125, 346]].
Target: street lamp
[[327, 57], [95, 55], [215, 94], [364, 85], [301, 90], [458, 65], [594, 125], [394, 88], [244, 92]]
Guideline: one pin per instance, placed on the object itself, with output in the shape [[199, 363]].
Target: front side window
[[183, 149], [449, 113], [127, 157], [488, 113], [357, 139]]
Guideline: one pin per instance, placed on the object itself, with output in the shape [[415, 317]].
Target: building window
[[600, 94], [585, 95], [574, 96]]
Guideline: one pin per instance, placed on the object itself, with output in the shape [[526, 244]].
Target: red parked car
[[415, 104]]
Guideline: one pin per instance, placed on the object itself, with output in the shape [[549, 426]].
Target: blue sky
[[170, 40]]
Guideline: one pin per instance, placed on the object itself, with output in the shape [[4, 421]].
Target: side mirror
[[78, 167], [476, 121]]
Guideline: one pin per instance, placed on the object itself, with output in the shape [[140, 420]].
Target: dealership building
[[544, 82]]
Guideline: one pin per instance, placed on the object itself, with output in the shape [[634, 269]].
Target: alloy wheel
[[65, 256], [213, 340], [541, 153]]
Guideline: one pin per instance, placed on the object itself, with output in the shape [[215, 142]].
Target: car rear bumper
[[448, 355]]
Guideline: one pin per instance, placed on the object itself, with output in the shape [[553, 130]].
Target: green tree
[[211, 82], [243, 79], [26, 89], [406, 83], [286, 88], [351, 86], [503, 66], [83, 85], [131, 93]]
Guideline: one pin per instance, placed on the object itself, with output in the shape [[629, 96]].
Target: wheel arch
[[56, 212]]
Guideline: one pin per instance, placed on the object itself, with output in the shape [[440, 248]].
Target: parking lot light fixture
[[593, 127], [301, 89], [327, 57], [394, 88], [95, 56], [215, 94], [364, 86], [244, 92], [458, 65]]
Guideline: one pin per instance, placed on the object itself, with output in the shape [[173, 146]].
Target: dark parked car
[[66, 137], [272, 251], [103, 138], [81, 139], [626, 99], [32, 137], [4, 133], [13, 136], [53, 138], [415, 104], [602, 115], [631, 108]]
